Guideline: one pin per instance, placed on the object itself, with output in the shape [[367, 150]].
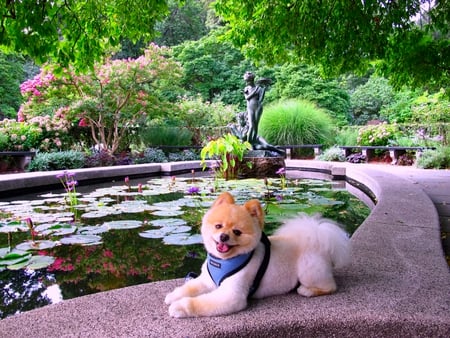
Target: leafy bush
[[332, 154], [185, 155], [347, 137], [377, 135], [100, 158], [305, 82], [57, 161], [368, 99], [296, 122], [435, 159], [356, 158], [152, 155]]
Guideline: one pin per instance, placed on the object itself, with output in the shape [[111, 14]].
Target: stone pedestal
[[261, 166]]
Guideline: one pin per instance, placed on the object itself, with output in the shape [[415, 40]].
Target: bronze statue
[[247, 127]]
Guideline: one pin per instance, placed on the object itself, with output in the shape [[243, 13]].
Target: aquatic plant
[[229, 151], [67, 179]]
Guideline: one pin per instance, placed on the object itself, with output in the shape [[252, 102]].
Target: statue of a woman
[[254, 94]]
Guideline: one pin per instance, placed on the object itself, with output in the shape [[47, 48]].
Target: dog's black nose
[[224, 237]]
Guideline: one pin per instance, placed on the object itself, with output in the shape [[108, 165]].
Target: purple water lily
[[193, 190]]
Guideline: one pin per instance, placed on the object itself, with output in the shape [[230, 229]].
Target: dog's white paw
[[171, 297], [180, 309]]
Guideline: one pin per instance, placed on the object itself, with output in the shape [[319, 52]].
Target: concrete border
[[396, 285]]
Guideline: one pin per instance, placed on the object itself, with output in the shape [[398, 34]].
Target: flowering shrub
[[377, 135], [18, 136], [109, 101]]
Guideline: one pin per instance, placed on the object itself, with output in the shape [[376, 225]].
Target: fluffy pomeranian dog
[[242, 262]]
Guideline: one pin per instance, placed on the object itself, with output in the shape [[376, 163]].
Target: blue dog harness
[[219, 269]]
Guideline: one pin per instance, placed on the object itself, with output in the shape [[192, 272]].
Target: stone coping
[[397, 285]]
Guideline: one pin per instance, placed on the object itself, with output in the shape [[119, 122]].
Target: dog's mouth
[[223, 247]]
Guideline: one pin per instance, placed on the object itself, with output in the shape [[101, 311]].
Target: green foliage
[[418, 57], [433, 108], [377, 135], [305, 82], [229, 151], [152, 155], [213, 69], [400, 109], [185, 155], [296, 122], [368, 99], [57, 161], [11, 75], [165, 135], [74, 32], [193, 113], [332, 154], [184, 23], [346, 136], [19, 136], [342, 35], [435, 159]]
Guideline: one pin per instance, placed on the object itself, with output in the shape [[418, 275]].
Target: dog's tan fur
[[304, 250]]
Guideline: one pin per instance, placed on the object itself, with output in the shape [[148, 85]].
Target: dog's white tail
[[319, 235]]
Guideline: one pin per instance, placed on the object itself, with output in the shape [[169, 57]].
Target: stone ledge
[[396, 285]]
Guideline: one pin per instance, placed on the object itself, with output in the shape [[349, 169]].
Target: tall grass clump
[[296, 122], [167, 136]]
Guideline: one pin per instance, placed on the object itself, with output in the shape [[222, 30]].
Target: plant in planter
[[229, 152]]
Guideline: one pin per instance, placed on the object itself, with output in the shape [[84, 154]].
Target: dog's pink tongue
[[222, 247]]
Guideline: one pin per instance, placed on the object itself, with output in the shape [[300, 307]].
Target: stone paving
[[396, 286]]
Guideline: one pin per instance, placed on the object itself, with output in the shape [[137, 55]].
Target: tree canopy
[[344, 35], [76, 32]]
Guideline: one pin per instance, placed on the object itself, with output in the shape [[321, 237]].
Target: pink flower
[[83, 123]]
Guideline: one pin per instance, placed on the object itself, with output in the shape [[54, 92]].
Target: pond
[[67, 244]]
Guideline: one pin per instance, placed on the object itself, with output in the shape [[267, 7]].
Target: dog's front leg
[[192, 288], [221, 301]]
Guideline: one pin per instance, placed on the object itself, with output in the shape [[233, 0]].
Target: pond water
[[134, 232]]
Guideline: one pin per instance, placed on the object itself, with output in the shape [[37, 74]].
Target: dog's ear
[[255, 210], [224, 198]]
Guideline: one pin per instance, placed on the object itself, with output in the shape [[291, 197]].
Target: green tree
[[345, 35], [184, 23], [213, 69], [305, 82], [76, 32], [368, 99], [12, 74]]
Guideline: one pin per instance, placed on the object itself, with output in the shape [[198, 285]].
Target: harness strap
[[263, 267]]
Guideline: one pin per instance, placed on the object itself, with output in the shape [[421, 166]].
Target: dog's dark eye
[[218, 226], [237, 232]]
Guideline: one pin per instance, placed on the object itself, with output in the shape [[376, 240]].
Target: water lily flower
[[281, 171], [193, 190]]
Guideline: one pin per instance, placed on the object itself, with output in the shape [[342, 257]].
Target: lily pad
[[81, 240], [121, 225], [58, 229], [168, 213], [165, 231], [14, 257], [182, 239], [92, 230], [36, 245], [168, 222], [34, 263]]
